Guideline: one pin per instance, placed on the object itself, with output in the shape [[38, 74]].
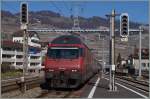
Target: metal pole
[[110, 84], [113, 46], [149, 54], [25, 57], [113, 38], [103, 56], [25, 51], [104, 67], [140, 32], [112, 49]]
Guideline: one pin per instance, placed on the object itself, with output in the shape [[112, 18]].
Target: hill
[[49, 19]]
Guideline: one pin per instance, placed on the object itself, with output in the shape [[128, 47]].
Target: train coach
[[69, 62]]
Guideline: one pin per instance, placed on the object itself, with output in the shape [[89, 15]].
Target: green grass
[[11, 74]]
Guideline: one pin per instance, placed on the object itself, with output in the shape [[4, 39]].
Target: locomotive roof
[[67, 39]]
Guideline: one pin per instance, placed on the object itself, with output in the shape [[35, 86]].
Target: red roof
[[20, 33], [144, 53], [13, 45]]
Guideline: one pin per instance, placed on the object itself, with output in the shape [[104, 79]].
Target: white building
[[144, 64], [144, 60], [33, 39], [12, 51], [12, 54]]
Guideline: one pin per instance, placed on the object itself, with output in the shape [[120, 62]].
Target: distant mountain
[[53, 18], [49, 19], [6, 13]]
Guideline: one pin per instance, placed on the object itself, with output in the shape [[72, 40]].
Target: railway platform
[[97, 87]]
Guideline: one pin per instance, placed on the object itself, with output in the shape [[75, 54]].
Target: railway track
[[142, 82], [60, 94], [16, 84], [64, 93], [144, 86], [53, 94]]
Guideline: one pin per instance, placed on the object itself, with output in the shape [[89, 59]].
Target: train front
[[63, 64]]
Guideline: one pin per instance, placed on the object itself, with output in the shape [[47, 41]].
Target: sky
[[137, 10]]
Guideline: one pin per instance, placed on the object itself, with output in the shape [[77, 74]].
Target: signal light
[[24, 13], [124, 25]]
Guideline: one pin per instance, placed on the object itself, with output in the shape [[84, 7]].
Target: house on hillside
[[33, 40]]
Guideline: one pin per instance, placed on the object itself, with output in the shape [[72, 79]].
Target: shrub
[[6, 67]]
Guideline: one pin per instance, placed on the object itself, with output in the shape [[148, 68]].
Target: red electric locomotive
[[68, 63]]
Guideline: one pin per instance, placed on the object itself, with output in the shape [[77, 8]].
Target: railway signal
[[24, 23], [124, 25], [24, 13]]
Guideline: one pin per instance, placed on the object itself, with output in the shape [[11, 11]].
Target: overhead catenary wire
[[66, 6], [59, 10]]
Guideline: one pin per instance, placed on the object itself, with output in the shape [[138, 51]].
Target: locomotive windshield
[[63, 53]]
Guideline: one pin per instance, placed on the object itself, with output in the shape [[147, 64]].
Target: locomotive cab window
[[64, 53]]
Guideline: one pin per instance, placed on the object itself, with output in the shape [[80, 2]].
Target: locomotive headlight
[[74, 70]]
